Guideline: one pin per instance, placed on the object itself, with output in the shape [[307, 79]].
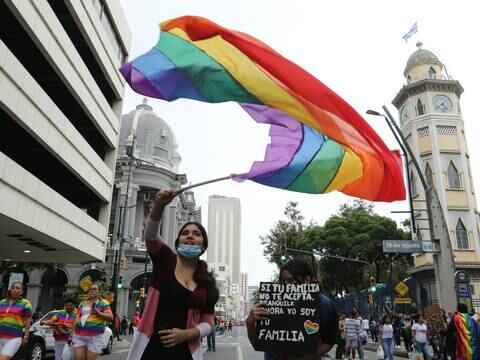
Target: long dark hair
[[201, 275], [299, 269]]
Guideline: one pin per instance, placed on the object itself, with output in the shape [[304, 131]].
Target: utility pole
[[444, 264]]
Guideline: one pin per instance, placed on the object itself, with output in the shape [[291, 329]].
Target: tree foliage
[[355, 232]]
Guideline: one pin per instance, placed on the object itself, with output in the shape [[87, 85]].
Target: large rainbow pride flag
[[319, 143]]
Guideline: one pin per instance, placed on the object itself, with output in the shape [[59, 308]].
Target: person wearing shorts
[[92, 317], [352, 334], [15, 314], [62, 324]]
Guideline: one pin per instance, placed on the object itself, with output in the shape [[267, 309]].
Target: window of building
[[420, 108], [109, 29], [461, 235], [428, 175], [413, 184], [432, 74], [453, 177], [160, 152]]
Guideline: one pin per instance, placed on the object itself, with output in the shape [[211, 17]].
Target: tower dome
[[423, 64], [155, 141]]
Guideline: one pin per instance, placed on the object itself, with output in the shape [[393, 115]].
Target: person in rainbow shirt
[[15, 314], [62, 324], [92, 317]]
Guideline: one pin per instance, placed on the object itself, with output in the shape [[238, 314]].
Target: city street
[[231, 346]]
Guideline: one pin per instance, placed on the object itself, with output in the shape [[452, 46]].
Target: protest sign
[[434, 316], [293, 322]]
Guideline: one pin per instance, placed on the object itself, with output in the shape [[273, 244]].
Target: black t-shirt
[[328, 321], [171, 313]]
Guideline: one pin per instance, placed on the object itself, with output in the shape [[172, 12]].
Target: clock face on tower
[[442, 103], [404, 115]]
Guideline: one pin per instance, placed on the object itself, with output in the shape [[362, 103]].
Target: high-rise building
[[224, 222], [60, 104], [431, 121], [243, 294]]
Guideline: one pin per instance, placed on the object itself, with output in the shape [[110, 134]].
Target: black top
[[171, 313]]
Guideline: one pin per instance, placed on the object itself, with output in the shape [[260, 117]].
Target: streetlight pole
[[444, 264]]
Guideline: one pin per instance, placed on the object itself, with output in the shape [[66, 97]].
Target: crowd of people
[[446, 336]]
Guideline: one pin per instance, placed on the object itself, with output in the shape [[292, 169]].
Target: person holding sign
[[62, 324], [182, 293], [298, 272], [15, 314]]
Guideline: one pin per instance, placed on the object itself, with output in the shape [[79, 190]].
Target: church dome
[[421, 57], [155, 141]]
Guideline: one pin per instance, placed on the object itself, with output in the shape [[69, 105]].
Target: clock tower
[[431, 121]]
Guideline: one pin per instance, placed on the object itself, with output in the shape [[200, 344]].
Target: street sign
[[401, 288], [408, 246], [403, 300]]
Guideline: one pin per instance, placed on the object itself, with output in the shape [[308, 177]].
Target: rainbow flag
[[319, 143], [466, 337]]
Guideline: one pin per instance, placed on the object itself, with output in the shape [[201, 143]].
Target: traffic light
[[137, 304], [142, 292], [123, 263], [283, 253], [120, 282], [373, 284]]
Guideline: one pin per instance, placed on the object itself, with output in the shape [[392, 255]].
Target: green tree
[[287, 233]]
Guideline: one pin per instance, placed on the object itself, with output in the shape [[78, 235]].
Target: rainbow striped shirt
[[12, 317], [94, 325], [63, 324]]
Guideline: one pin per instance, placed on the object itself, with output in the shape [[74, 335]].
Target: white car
[[42, 341]]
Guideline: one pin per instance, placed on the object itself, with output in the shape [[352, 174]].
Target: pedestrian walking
[[298, 271], [130, 326], [352, 334], [62, 323], [419, 336], [116, 327], [92, 317], [386, 337], [15, 315], [211, 337], [182, 292], [340, 351], [462, 342], [373, 330], [124, 325]]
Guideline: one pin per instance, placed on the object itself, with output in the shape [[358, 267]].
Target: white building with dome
[[152, 143], [431, 121]]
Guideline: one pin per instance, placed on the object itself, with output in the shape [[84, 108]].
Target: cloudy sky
[[354, 47]]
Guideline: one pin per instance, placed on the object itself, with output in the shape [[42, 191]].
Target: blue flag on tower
[[410, 32]]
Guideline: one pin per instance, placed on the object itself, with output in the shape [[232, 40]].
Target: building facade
[[431, 121], [224, 221], [60, 102]]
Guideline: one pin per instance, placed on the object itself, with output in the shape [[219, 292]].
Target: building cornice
[[418, 87]]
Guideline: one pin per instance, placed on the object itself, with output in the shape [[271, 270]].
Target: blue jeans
[[387, 345], [422, 347]]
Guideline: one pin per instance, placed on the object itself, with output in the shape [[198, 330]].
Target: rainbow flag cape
[[319, 143], [466, 337]]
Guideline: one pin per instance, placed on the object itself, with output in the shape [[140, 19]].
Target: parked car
[[41, 341]]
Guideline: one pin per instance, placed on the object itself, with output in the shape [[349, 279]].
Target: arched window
[[453, 177], [420, 108], [461, 235], [428, 175], [413, 184], [432, 74]]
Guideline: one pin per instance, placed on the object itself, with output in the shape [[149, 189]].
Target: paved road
[[231, 346]]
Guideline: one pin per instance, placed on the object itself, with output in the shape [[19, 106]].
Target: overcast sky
[[354, 47]]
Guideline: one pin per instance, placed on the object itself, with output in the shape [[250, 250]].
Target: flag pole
[[179, 191]]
